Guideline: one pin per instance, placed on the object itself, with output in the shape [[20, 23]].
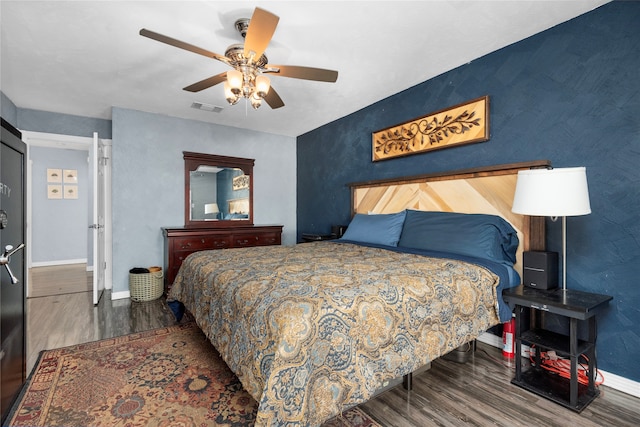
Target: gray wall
[[59, 227], [147, 174], [204, 190], [148, 181]]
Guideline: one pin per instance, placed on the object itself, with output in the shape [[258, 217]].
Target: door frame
[[69, 142]]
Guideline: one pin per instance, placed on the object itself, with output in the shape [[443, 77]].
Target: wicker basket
[[146, 286]]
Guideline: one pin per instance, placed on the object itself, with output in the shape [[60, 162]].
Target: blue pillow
[[477, 235], [382, 229], [236, 216]]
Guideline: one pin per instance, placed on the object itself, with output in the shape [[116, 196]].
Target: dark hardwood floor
[[477, 392], [64, 320]]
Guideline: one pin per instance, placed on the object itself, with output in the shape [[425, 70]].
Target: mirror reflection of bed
[[353, 316], [238, 208]]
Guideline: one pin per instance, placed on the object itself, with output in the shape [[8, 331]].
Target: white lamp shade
[[262, 85], [227, 90], [234, 77], [552, 192], [211, 208]]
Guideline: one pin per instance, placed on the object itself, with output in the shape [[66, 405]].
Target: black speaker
[[540, 269]]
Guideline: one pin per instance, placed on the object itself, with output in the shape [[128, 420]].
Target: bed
[[313, 329]]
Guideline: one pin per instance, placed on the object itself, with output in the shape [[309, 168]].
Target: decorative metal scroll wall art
[[461, 124], [240, 182]]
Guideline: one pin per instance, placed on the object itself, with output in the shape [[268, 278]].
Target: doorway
[[62, 246]]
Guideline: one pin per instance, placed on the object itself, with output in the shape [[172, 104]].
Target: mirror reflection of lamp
[[211, 208]]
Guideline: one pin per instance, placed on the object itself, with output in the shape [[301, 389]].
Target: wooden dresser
[[179, 242]]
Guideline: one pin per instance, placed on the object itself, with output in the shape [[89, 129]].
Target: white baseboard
[[492, 340], [59, 262], [622, 384], [613, 381], [120, 295]]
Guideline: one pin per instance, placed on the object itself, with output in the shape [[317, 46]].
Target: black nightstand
[[575, 306]]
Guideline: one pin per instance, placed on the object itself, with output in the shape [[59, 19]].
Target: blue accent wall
[[570, 94]]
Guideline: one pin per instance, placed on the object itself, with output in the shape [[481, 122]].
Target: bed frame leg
[[407, 381]]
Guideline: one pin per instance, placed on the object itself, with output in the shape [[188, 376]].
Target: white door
[[98, 226]]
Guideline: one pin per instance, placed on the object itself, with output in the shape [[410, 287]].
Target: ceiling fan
[[248, 79]]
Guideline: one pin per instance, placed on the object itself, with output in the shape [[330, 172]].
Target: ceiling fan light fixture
[[235, 80], [248, 63], [232, 98], [256, 100], [262, 85]]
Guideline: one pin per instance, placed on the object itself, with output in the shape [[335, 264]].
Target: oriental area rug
[[165, 377]]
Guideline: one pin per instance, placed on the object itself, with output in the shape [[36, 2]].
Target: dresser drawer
[[179, 256], [201, 243], [244, 240], [268, 239]]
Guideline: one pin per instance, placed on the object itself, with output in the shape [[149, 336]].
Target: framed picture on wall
[[70, 191], [70, 176], [54, 191], [54, 175]]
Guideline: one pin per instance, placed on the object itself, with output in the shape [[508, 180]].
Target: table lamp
[[555, 193]]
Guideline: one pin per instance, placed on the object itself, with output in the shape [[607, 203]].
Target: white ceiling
[[83, 57]]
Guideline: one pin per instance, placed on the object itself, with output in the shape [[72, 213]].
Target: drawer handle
[[185, 246], [242, 242], [220, 244]]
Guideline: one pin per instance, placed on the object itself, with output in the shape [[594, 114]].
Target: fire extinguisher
[[508, 343]]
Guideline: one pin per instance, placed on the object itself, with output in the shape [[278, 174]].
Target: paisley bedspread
[[316, 328]]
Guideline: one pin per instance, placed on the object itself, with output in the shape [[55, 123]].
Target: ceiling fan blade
[[306, 73], [273, 99], [182, 45], [261, 28], [206, 83]]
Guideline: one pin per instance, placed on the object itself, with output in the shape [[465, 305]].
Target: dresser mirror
[[218, 191]]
